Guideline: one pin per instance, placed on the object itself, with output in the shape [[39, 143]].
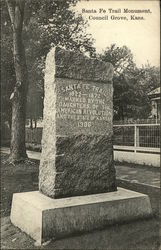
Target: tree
[[131, 84], [130, 99], [34, 106], [120, 57], [38, 24], [16, 13], [7, 69], [122, 60], [150, 77], [7, 76]]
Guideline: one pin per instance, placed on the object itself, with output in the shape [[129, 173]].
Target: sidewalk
[[133, 174], [138, 178], [31, 154], [139, 235], [139, 174]]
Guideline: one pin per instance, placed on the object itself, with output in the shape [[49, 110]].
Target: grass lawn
[[17, 178], [138, 235]]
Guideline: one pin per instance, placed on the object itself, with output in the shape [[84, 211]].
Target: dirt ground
[[137, 235]]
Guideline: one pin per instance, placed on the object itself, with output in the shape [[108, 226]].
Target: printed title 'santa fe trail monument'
[[77, 156]]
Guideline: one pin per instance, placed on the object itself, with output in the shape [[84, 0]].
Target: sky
[[142, 37]]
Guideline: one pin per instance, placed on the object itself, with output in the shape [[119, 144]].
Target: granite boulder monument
[[77, 181], [77, 154]]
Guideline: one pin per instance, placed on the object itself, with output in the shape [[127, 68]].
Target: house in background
[[154, 95]]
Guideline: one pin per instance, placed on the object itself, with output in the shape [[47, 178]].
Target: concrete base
[[44, 218]]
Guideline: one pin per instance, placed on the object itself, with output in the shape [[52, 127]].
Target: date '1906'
[[84, 124]]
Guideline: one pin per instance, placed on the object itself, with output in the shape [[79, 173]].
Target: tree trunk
[[35, 123], [17, 148], [122, 113], [31, 124]]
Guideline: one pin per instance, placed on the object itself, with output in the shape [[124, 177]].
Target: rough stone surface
[[77, 153], [83, 165], [44, 218], [77, 66]]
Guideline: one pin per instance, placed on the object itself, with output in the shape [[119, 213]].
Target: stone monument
[[77, 154], [77, 182]]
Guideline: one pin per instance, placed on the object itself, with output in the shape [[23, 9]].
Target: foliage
[[120, 57], [46, 24], [131, 84], [7, 67]]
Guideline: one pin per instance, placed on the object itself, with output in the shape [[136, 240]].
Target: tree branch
[[11, 10]]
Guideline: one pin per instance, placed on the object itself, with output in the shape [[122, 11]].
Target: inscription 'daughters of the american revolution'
[[77, 151], [83, 107]]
